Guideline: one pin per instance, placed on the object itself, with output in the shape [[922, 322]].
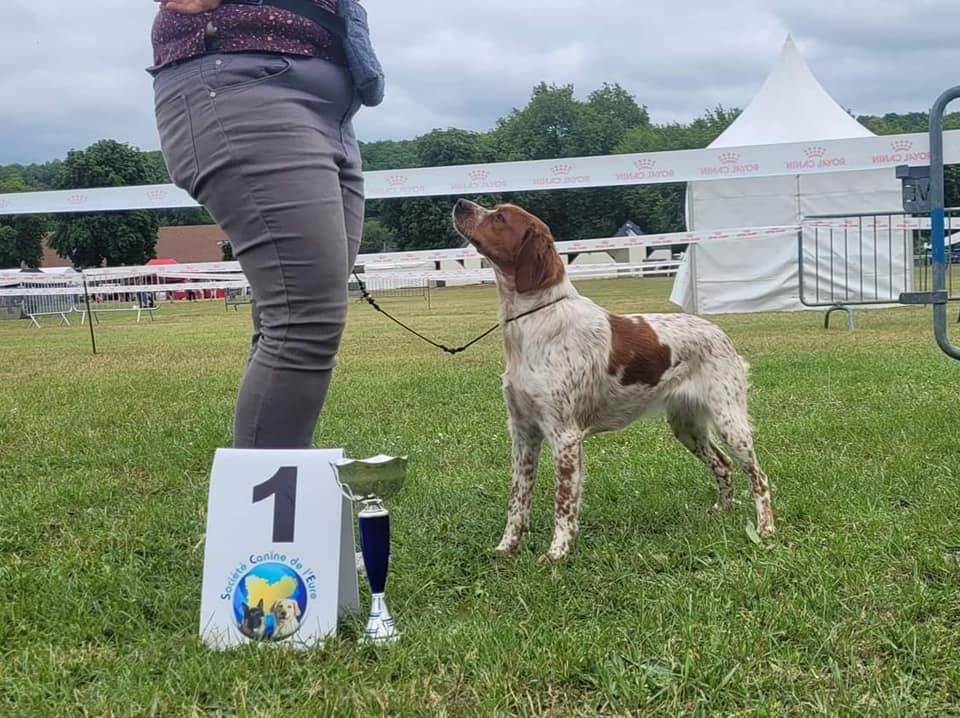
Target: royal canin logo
[[815, 157], [156, 195], [646, 169], [400, 183], [729, 163], [4, 203], [901, 152], [478, 180], [561, 175], [76, 199]]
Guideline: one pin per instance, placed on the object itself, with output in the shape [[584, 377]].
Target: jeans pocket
[[177, 141], [229, 72]]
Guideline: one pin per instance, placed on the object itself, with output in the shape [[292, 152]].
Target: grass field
[[664, 608]]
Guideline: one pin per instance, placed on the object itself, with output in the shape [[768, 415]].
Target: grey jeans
[[265, 143]]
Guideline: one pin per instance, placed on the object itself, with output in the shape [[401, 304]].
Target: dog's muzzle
[[466, 214]]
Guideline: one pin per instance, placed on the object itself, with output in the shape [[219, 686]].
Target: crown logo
[[901, 145], [814, 151], [397, 180], [156, 195], [645, 164], [76, 198], [478, 175], [561, 169], [728, 158]]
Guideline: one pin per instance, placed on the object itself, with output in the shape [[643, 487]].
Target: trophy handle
[[373, 522]]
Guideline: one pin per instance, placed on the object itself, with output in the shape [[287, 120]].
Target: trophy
[[370, 482]]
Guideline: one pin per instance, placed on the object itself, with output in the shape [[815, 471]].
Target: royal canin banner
[[865, 153]]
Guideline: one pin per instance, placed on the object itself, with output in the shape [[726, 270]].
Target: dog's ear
[[296, 609], [273, 607], [537, 262], [260, 604]]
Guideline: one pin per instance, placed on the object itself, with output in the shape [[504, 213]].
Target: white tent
[[762, 274]]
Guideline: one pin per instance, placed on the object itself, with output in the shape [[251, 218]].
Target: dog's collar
[[535, 309]]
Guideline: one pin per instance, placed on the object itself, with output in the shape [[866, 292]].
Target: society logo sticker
[[269, 600]]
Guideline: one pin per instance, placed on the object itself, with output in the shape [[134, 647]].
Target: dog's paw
[[767, 530], [727, 505], [553, 556], [506, 549]]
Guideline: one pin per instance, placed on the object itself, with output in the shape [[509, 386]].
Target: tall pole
[[86, 299]]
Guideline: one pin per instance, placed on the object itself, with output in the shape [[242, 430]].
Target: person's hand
[[190, 7]]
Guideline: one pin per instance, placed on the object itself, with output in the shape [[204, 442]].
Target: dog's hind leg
[[733, 428], [691, 426]]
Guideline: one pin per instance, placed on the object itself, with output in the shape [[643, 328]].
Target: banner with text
[[865, 153]]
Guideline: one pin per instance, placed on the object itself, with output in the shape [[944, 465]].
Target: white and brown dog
[[573, 369]]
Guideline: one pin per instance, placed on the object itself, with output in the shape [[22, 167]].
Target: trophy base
[[380, 629]]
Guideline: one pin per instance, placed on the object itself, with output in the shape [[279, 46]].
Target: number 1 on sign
[[283, 487]]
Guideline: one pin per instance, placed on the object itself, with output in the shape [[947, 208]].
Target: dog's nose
[[460, 206]]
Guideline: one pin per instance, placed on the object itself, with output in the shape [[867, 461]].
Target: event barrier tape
[[796, 158]]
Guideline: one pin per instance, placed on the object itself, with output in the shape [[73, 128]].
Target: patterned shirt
[[237, 28]]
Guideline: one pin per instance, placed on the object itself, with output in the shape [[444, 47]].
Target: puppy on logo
[[286, 611]]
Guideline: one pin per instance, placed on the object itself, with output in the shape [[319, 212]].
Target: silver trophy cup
[[369, 482]]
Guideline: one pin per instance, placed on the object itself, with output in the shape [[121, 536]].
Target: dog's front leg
[[568, 464], [526, 443]]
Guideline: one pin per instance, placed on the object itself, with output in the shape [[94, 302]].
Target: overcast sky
[[73, 72]]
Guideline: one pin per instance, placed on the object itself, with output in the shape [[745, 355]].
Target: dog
[[253, 625], [572, 369], [287, 614]]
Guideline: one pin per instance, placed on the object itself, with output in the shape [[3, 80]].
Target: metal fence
[[868, 259]]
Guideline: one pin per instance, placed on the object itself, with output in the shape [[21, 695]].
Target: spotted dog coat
[[573, 369]]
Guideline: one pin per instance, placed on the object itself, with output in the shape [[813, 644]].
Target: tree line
[[554, 123]]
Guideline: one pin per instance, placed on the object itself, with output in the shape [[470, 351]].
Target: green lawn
[[664, 608]]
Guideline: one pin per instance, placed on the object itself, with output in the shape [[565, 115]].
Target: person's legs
[[277, 166]]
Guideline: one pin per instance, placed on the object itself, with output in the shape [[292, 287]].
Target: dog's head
[[253, 617], [517, 243], [285, 609]]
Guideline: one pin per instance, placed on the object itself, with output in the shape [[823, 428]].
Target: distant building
[[195, 243]]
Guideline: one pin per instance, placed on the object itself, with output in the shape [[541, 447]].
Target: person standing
[[254, 106]]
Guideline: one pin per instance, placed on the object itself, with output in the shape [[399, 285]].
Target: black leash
[[455, 350]]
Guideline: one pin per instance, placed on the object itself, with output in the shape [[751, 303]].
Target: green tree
[[556, 124], [21, 236], [115, 238], [377, 237], [661, 207], [424, 222]]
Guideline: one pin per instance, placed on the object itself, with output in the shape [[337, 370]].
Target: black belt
[[306, 8]]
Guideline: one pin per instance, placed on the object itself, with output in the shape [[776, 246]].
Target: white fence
[[140, 290]]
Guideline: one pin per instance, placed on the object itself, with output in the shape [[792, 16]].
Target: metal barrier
[[35, 303], [235, 297], [867, 259], [923, 190], [393, 285]]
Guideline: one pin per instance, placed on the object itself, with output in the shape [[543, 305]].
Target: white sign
[[789, 158], [280, 563]]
